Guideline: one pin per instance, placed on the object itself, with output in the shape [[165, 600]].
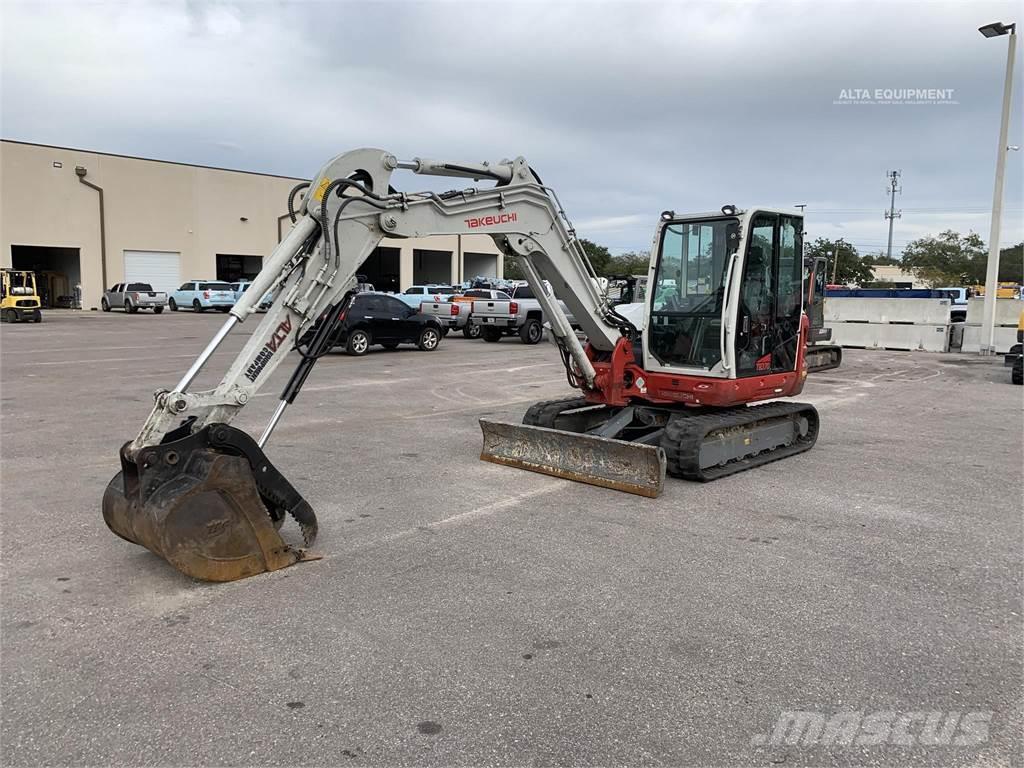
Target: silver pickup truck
[[132, 297], [451, 315], [521, 314]]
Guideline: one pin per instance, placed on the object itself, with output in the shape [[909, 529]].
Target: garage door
[[161, 269]]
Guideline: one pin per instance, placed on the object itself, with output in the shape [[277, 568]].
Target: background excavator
[[666, 385], [822, 354]]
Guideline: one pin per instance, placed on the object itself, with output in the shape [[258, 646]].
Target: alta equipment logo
[[490, 221], [272, 345]]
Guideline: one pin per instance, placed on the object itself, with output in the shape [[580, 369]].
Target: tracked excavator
[[822, 354], [670, 385]]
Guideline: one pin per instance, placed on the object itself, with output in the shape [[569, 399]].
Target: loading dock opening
[[381, 268], [479, 265], [430, 267], [232, 266], [58, 271]]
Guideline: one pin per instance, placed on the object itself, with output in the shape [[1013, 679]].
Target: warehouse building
[[93, 219]]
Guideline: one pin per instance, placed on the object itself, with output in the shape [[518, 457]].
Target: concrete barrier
[[858, 310], [910, 337], [1007, 311], [1006, 337]]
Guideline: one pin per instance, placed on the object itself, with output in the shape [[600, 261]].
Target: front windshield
[[689, 292], [691, 265]]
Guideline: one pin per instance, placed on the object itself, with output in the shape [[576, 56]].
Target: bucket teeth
[[625, 466]]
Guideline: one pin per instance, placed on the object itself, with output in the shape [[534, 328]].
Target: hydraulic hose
[[291, 199], [338, 184]]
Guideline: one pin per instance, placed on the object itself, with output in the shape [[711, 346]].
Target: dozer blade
[[624, 466], [209, 504]]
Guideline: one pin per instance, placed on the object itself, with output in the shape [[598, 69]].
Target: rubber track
[[684, 436], [544, 413]]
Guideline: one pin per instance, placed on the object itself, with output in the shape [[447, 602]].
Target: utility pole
[[835, 266], [892, 214]]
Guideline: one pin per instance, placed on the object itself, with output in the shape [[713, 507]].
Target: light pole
[[988, 325]]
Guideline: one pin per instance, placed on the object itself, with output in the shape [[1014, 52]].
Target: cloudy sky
[[625, 108]]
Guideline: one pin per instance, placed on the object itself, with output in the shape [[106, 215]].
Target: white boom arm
[[348, 209]]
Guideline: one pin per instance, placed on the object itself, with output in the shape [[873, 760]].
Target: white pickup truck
[[520, 314]]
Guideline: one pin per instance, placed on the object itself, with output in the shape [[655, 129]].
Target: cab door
[[770, 296]]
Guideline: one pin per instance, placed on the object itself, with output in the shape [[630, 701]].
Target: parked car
[[131, 297], [380, 318], [521, 314], [239, 287], [202, 295], [1015, 358], [416, 294]]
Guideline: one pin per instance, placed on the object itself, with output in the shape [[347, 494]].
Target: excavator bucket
[[210, 504], [625, 466]]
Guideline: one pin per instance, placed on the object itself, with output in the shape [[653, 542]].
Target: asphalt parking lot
[[471, 614]]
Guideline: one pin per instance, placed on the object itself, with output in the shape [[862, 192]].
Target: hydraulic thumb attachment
[[211, 502]]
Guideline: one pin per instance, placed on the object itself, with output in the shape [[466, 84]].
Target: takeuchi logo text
[[490, 221]]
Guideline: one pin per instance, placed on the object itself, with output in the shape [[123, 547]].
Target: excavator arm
[[343, 220], [203, 494]]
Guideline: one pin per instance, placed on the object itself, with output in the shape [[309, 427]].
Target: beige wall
[[156, 206], [892, 273]]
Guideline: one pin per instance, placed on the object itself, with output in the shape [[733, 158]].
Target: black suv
[[377, 318]]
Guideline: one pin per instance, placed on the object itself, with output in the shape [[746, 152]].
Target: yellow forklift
[[19, 302]]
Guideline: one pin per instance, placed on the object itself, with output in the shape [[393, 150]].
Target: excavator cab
[[724, 311], [19, 301]]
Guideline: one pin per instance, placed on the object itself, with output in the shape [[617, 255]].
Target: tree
[[512, 270], [948, 258], [599, 256], [880, 260], [629, 263], [851, 268], [1011, 264]]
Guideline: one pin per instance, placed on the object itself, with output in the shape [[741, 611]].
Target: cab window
[[689, 291]]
